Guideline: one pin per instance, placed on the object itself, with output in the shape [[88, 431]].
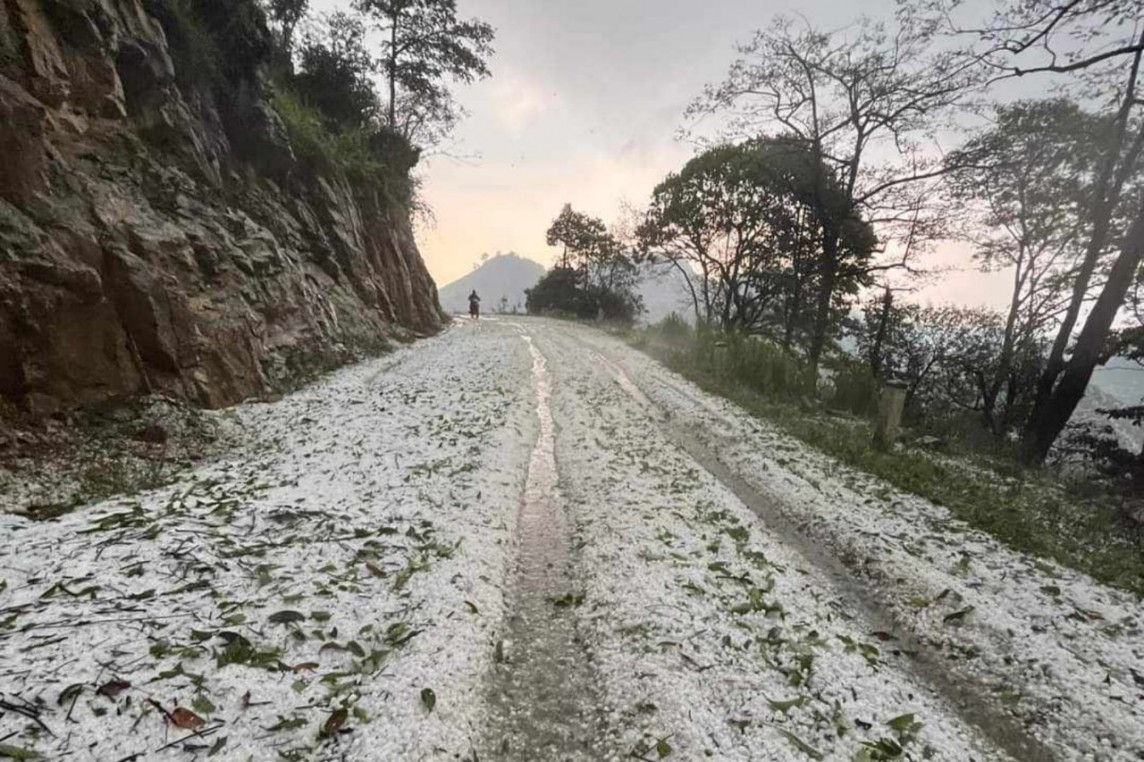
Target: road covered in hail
[[523, 540]]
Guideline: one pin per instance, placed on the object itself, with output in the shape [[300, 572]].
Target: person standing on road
[[474, 305]]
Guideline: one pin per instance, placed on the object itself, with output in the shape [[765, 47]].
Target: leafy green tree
[[562, 292], [334, 70], [594, 276], [286, 15], [749, 220], [329, 104], [557, 292], [594, 253], [424, 43], [581, 237]]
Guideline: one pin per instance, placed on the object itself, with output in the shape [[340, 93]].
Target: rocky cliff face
[[153, 240]]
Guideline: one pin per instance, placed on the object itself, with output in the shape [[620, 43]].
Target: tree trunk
[[1050, 418], [880, 336], [728, 297], [1056, 362], [989, 391], [825, 295], [393, 73], [788, 330], [992, 391], [989, 396], [690, 287], [1106, 193]]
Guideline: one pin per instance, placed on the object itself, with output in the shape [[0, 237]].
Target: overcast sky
[[583, 107]]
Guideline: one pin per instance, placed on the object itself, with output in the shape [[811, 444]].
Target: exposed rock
[[23, 152], [143, 249]]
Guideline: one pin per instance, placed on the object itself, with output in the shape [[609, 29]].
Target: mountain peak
[[500, 281]]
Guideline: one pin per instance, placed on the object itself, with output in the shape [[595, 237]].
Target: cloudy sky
[[584, 106]]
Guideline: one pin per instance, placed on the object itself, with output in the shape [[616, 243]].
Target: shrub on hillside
[[673, 328], [363, 153], [768, 368], [214, 44]]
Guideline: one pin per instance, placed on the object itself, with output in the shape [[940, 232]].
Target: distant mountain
[[501, 280], [506, 276]]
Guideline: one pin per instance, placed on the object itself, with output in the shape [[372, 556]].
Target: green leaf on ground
[[785, 706], [957, 616], [286, 723], [901, 723], [202, 705], [69, 693], [287, 617], [568, 600], [801, 745]]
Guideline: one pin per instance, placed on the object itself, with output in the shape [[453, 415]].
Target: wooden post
[[889, 421]]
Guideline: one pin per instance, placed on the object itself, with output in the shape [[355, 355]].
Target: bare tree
[[862, 100]]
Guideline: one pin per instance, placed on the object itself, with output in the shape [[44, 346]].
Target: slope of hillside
[[158, 233], [501, 281]]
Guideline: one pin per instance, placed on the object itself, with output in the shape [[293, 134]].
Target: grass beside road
[[1073, 521]]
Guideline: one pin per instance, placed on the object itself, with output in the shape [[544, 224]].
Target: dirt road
[[524, 540]]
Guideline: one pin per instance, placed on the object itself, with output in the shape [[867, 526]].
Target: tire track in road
[[544, 693]]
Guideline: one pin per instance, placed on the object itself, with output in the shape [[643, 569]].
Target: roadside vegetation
[[1068, 515]]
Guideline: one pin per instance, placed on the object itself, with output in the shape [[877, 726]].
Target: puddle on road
[[544, 696]]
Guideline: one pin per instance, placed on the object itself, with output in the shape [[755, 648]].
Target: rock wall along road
[[156, 236]]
